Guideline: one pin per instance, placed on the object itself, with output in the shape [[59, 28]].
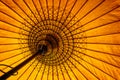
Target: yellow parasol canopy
[[59, 40]]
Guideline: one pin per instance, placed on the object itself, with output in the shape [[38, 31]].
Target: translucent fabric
[[81, 39]]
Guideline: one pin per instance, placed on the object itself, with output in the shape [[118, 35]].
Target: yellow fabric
[[99, 37]]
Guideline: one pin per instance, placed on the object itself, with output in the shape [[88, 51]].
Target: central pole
[[15, 69]]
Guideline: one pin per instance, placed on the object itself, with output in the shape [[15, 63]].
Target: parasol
[[59, 39]]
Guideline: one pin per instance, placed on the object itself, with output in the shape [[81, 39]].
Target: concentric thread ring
[[57, 36]]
